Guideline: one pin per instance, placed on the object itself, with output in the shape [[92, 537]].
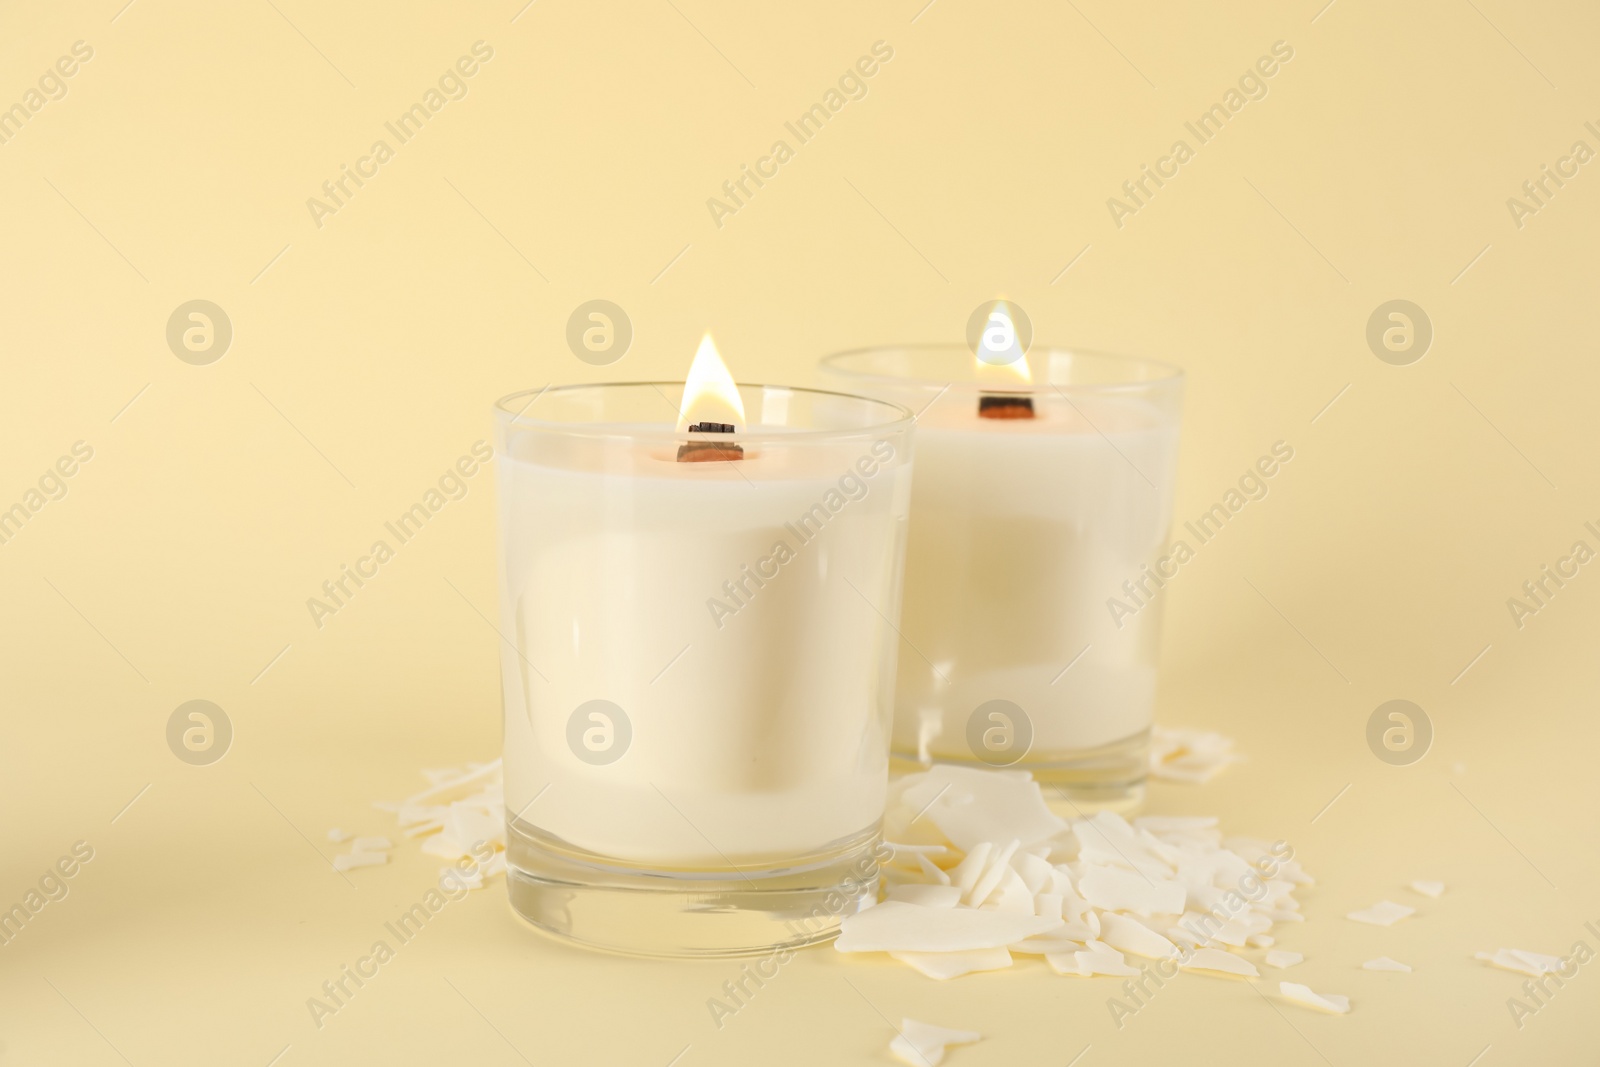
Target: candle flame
[[999, 347], [709, 394]]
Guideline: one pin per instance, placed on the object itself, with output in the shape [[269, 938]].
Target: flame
[[709, 394], [999, 347]]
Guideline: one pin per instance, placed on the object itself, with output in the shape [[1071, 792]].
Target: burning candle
[[696, 588], [1044, 482]]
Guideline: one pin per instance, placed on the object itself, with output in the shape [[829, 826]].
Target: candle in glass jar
[[702, 666], [1041, 487]]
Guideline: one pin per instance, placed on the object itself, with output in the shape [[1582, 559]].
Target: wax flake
[[1094, 958], [1384, 963], [455, 877], [1193, 756], [473, 823], [930, 870], [1130, 935], [1233, 933], [1299, 994], [1383, 913], [338, 836], [1429, 889], [1093, 963], [347, 861], [1115, 889], [1036, 873], [923, 1044], [970, 806], [1513, 959], [994, 872], [460, 814], [945, 965], [1182, 937], [964, 876], [1219, 960], [1046, 945], [1106, 839], [1282, 958], [1086, 929], [1012, 877], [1013, 895], [479, 780], [1291, 872]]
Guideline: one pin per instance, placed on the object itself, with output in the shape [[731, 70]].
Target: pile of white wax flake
[[461, 817], [984, 871]]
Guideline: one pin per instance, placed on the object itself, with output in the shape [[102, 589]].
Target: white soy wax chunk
[[971, 806], [1130, 935], [1429, 889], [1220, 961], [1383, 913], [1117, 889], [1384, 963], [1104, 960], [946, 965], [994, 871], [1329, 1002], [928, 868], [1522, 962], [923, 1044]]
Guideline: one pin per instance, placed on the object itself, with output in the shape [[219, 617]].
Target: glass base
[[736, 911], [1077, 782]]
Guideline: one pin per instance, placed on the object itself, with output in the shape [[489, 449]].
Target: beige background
[[366, 354]]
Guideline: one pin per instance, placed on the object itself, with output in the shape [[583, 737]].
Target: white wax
[[1020, 530], [765, 739]]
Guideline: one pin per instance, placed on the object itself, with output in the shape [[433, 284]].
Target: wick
[[709, 451], [1005, 406]]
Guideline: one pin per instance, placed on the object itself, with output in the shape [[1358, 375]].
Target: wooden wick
[[709, 451], [1005, 406]]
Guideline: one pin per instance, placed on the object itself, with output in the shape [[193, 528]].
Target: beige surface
[[365, 358]]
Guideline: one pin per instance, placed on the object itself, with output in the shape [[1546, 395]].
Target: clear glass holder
[[699, 661], [1038, 547]]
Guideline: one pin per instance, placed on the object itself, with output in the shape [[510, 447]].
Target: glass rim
[[516, 420], [1166, 374]]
